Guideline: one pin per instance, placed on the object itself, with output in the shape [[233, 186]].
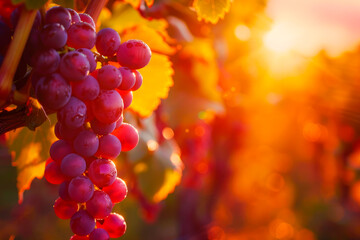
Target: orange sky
[[307, 26]]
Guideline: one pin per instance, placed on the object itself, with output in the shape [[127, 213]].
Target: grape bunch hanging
[[89, 104]]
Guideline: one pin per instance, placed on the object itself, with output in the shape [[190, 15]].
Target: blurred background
[[256, 135]]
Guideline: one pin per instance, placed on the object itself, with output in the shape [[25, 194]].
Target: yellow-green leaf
[[211, 10], [30, 150]]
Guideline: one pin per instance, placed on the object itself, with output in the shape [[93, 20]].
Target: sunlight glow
[[242, 32], [279, 39]]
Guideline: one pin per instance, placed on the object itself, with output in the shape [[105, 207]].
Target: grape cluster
[[89, 104]]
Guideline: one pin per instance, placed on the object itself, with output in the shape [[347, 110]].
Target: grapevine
[[89, 103]]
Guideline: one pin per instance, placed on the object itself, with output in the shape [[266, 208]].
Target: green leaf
[[30, 150], [65, 3], [211, 10], [31, 4]]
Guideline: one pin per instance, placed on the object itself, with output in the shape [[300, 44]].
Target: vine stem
[[94, 8], [14, 52]]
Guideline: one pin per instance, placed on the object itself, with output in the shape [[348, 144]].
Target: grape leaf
[[134, 3], [30, 150], [30, 4], [211, 10], [158, 171], [65, 3]]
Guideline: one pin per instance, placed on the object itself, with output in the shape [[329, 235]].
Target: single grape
[[128, 136], [81, 35], [66, 133], [102, 128], [90, 57], [127, 97], [73, 165], [53, 35], [108, 106], [53, 91], [107, 42], [74, 16], [59, 150], [46, 61], [82, 223], [53, 173], [109, 147], [100, 205], [58, 15], [80, 189], [115, 225], [99, 234], [86, 143], [134, 54], [73, 114], [87, 89], [74, 66], [109, 77], [102, 172], [117, 191], [138, 81], [65, 209], [63, 191], [88, 19], [128, 79]]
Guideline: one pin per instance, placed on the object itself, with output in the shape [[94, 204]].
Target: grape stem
[[13, 55], [94, 8]]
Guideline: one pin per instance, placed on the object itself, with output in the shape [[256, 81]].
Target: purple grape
[[138, 80], [100, 205], [73, 114], [73, 165], [58, 15], [134, 54], [53, 92], [102, 128], [108, 106], [102, 172], [68, 134], [107, 42], [128, 79], [46, 61], [74, 16], [80, 189], [109, 77], [99, 234], [63, 191], [87, 89], [74, 66], [81, 35], [86, 143], [82, 223], [53, 173], [88, 19], [109, 147], [53, 35], [90, 57], [127, 97], [59, 150]]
